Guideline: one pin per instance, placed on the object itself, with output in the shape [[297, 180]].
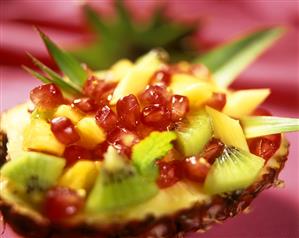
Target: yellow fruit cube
[[39, 137], [228, 130], [243, 102], [121, 68], [90, 133], [69, 112], [80, 176]]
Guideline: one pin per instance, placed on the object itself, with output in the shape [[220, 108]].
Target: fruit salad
[[143, 149]]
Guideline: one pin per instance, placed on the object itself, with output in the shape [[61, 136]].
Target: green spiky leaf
[[227, 61], [37, 75], [67, 63], [255, 126]]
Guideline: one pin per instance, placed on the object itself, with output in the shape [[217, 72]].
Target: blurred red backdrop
[[277, 212]]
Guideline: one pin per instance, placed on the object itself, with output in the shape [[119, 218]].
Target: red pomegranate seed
[[261, 112], [74, 153], [196, 169], [213, 150], [265, 146], [100, 150], [154, 94], [157, 116], [123, 140], [99, 90], [61, 203], [106, 118], [64, 130], [46, 96], [128, 111], [170, 173], [85, 104], [161, 78], [217, 101], [179, 107], [143, 130]]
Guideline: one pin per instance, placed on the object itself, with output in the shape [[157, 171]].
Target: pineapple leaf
[[229, 60], [68, 65], [37, 75]]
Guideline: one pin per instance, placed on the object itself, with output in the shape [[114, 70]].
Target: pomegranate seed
[[143, 130], [61, 203], [74, 153], [47, 96], [170, 173], [261, 112], [106, 118], [213, 150], [217, 101], [157, 116], [123, 140], [85, 104], [161, 78], [99, 90], [196, 169], [179, 107], [64, 130], [265, 146], [100, 150], [154, 94], [128, 111]]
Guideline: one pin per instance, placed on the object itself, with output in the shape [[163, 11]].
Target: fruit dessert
[[144, 149]]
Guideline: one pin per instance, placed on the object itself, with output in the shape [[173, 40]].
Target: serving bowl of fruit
[[142, 149]]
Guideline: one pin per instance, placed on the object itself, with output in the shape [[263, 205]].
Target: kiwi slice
[[32, 174], [194, 134], [119, 186], [234, 169]]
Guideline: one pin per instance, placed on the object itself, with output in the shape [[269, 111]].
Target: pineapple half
[[131, 198]]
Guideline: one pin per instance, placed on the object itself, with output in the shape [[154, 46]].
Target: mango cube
[[69, 112]]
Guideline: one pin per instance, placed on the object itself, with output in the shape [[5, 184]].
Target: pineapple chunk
[[39, 137], [80, 176], [243, 102], [228, 130], [121, 68], [90, 133], [69, 112], [197, 91], [138, 76]]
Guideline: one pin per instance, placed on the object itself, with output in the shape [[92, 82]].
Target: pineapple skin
[[198, 218]]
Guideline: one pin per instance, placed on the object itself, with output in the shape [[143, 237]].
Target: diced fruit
[[195, 168], [244, 102], [265, 146], [198, 92], [75, 153], [157, 116], [106, 119], [42, 114], [123, 140], [118, 188], [212, 150], [90, 133], [69, 112], [200, 71], [100, 150], [62, 203], [161, 78], [64, 130], [194, 134], [121, 68], [155, 94], [228, 130], [81, 175], [234, 169], [169, 173], [128, 111], [46, 96], [136, 80], [217, 101], [32, 174], [39, 137], [86, 104], [179, 107]]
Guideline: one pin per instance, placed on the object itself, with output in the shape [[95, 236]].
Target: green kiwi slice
[[194, 134], [32, 174], [234, 169]]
